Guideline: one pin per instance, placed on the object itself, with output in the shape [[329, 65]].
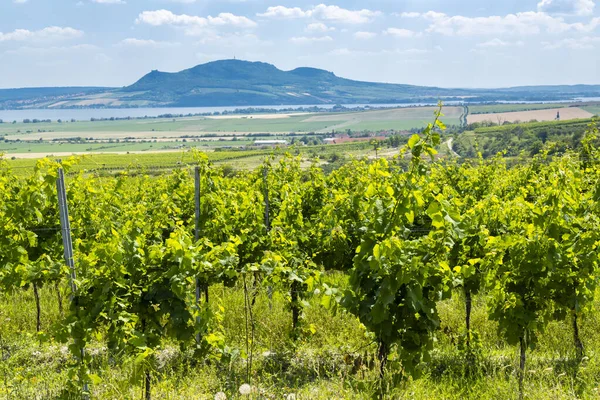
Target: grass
[[331, 360]]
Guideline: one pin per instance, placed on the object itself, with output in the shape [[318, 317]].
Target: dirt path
[[449, 144]]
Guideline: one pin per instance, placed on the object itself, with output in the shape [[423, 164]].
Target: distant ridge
[[244, 84]]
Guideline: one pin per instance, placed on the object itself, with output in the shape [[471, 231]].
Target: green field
[[49, 147], [522, 139], [239, 159], [399, 119], [594, 109]]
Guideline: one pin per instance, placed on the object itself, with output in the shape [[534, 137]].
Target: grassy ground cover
[[333, 359]]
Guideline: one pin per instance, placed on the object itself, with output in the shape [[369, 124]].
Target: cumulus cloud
[[409, 15], [338, 14], [364, 35], [282, 12], [500, 43], [525, 23], [19, 1], [108, 1], [50, 33], [305, 39], [166, 17], [323, 12], [318, 27], [400, 33], [583, 43], [567, 7]]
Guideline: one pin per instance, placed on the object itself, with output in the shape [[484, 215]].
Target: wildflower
[[166, 356], [245, 389], [291, 396], [220, 396]]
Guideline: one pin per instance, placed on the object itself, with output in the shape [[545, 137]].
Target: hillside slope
[[243, 83]]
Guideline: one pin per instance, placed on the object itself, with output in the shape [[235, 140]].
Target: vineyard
[[382, 279]]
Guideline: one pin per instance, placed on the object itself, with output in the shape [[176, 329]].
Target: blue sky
[[460, 43]]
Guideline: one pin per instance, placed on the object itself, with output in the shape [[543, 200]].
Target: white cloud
[[567, 7], [323, 12], [400, 33], [318, 27], [305, 39], [133, 42], [525, 23], [166, 17], [108, 1], [19, 1], [500, 43], [364, 35], [584, 43], [338, 14], [409, 15], [283, 12], [50, 33]]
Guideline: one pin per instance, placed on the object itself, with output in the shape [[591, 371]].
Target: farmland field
[[402, 118], [566, 113], [503, 108], [594, 109]]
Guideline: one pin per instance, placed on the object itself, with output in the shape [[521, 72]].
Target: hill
[[243, 83], [235, 82]]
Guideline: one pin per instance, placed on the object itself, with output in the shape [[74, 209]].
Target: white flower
[[291, 396], [245, 389], [317, 292], [220, 396], [64, 351], [166, 356]]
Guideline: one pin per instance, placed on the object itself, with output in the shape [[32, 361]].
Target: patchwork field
[[400, 119], [566, 113]]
